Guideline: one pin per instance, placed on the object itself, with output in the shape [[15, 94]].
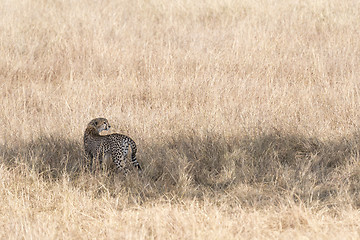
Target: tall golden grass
[[245, 114]]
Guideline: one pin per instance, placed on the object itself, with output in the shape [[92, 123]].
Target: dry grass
[[245, 114]]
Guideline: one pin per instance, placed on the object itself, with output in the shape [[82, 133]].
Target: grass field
[[245, 113]]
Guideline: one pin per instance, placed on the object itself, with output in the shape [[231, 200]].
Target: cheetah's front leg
[[89, 160]]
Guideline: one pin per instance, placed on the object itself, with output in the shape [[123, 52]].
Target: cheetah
[[98, 147]]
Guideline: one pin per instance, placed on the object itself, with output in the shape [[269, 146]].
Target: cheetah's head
[[100, 124]]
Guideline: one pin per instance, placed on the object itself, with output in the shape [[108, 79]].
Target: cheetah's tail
[[133, 154]]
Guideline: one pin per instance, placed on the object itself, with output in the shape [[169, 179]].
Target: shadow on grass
[[274, 163], [50, 156], [253, 159], [191, 166]]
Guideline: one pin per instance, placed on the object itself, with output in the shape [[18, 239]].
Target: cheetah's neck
[[92, 131]]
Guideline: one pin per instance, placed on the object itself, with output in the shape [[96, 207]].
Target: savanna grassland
[[245, 113]]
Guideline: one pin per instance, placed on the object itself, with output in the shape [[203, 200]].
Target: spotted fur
[[97, 146]]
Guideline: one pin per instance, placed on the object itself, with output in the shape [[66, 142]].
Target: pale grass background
[[245, 112]]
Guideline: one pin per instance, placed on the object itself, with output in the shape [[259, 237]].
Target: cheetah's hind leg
[[119, 161]]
